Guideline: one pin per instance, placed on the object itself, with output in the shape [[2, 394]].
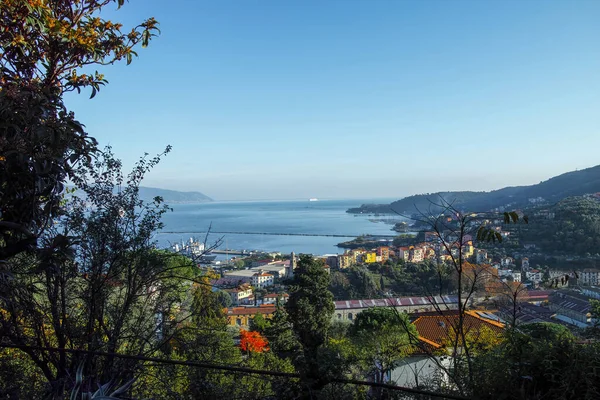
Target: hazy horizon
[[376, 198], [281, 100]]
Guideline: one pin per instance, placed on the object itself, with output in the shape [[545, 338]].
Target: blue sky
[[354, 99]]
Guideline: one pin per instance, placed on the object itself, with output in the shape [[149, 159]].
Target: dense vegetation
[[90, 308], [379, 280], [574, 228]]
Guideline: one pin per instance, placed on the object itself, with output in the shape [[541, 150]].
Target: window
[[238, 321], [339, 316], [350, 316]]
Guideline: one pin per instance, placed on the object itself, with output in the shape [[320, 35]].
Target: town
[[546, 294]]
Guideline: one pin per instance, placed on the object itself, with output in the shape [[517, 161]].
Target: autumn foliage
[[253, 341]]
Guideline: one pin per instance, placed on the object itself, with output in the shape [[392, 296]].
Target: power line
[[232, 369]]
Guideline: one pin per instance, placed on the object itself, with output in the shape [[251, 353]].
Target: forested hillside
[[570, 227], [574, 183]]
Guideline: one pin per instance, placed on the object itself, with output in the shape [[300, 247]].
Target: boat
[[194, 249], [313, 199]]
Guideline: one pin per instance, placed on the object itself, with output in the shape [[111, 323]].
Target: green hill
[[572, 226], [553, 190]]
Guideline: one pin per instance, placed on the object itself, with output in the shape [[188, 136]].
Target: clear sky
[[355, 99]]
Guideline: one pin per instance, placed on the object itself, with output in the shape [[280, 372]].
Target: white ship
[[313, 199], [194, 248]]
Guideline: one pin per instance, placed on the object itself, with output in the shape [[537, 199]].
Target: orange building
[[383, 252], [241, 316]]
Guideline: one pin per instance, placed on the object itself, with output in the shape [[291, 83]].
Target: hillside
[[173, 196], [574, 183], [570, 227]]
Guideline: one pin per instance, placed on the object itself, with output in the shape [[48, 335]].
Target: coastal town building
[[241, 295], [332, 261], [534, 276], [481, 256], [589, 276], [345, 261], [436, 331], [273, 298], [404, 253], [346, 310], [571, 308], [369, 257], [507, 261], [383, 252], [516, 276], [262, 279], [592, 292], [241, 316]]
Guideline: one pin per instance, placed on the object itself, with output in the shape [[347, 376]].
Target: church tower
[[290, 270]]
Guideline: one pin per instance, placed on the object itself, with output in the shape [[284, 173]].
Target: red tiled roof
[[263, 274], [263, 309], [440, 328], [275, 295]]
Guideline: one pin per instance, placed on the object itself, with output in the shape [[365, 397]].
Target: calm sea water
[[317, 217]]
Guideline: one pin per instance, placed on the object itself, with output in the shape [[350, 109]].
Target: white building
[[590, 276], [481, 256], [516, 276], [240, 295], [534, 276], [262, 279], [507, 261]]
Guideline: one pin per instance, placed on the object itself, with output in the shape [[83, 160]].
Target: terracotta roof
[[440, 328], [263, 274], [263, 309], [275, 295], [539, 294]]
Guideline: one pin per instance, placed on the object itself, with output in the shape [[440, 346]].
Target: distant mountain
[[173, 196], [574, 183]]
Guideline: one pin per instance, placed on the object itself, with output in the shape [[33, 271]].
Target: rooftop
[[439, 328], [395, 302], [263, 309]]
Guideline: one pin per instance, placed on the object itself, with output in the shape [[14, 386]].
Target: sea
[[258, 225]]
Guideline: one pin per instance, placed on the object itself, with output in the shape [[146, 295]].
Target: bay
[[323, 217]]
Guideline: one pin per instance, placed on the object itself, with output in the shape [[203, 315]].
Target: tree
[[384, 337], [310, 309], [45, 47], [259, 323], [252, 341], [111, 292], [454, 231], [280, 334], [538, 360]]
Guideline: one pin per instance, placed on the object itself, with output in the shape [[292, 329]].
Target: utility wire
[[232, 369]]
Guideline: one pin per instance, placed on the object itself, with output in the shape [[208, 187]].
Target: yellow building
[[468, 249], [370, 257], [357, 254], [345, 261], [241, 316]]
